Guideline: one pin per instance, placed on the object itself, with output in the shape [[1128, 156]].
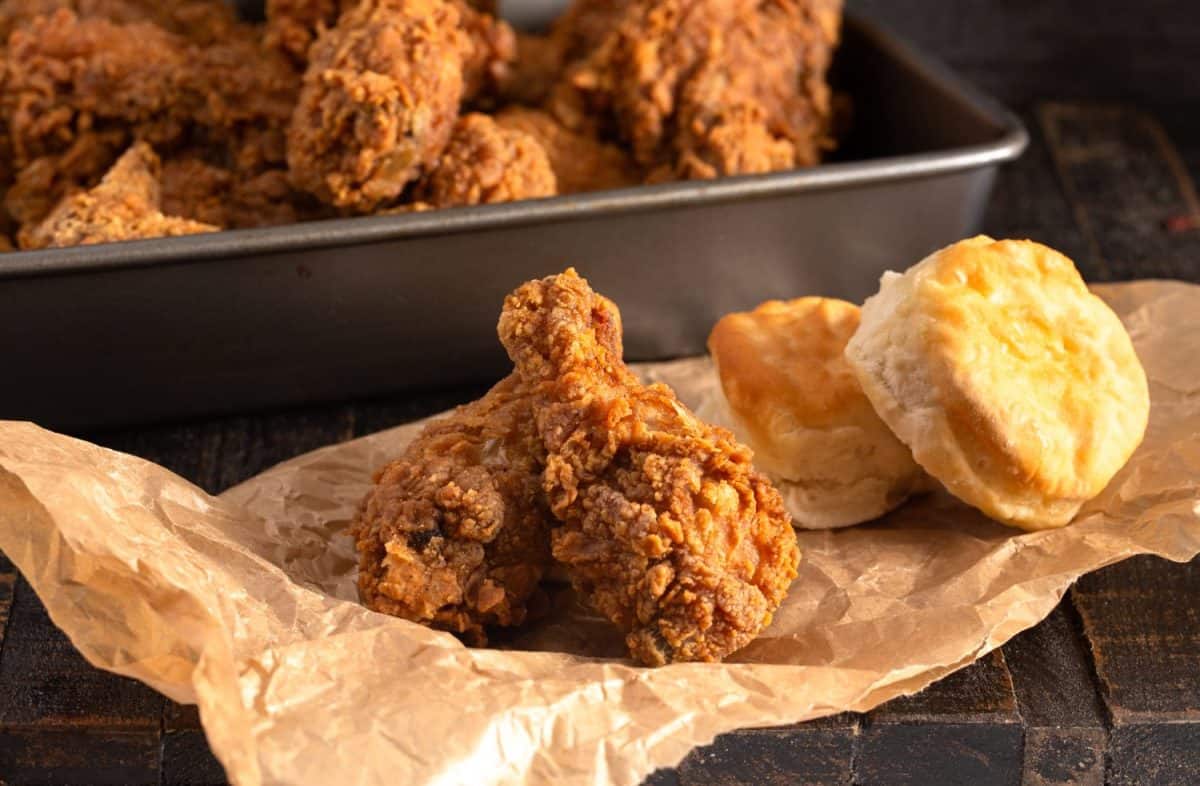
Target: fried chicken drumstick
[[665, 527], [379, 100], [454, 533]]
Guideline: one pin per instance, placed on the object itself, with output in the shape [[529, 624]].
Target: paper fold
[[246, 604]]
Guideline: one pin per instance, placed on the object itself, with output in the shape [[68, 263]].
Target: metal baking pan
[[177, 327]]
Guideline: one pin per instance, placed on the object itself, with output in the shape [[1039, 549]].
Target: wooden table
[[1106, 690]]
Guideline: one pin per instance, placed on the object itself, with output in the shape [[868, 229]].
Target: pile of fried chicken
[[124, 119], [658, 518]]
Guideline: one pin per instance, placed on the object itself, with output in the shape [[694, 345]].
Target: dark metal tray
[[167, 328]]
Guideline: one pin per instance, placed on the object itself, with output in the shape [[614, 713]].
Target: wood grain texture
[[382, 414], [1029, 203], [219, 453], [8, 582], [1024, 51], [75, 757], [1057, 697], [1143, 624], [1154, 754], [1127, 184], [186, 758], [964, 729], [1105, 691], [62, 721], [819, 753]]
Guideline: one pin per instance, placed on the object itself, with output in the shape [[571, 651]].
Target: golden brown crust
[[580, 162], [541, 59], [666, 527], [201, 21], [1015, 387], [584, 25], [790, 394], [533, 71], [77, 91], [705, 88], [489, 56], [379, 100], [124, 206], [789, 355], [293, 25], [455, 533], [42, 183], [485, 163], [197, 189]]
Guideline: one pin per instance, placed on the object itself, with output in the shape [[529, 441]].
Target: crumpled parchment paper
[[245, 604]]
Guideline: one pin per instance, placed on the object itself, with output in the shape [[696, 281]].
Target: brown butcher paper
[[245, 604]]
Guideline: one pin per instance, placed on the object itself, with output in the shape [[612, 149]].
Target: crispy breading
[[124, 206], [380, 97], [455, 533], [486, 163], [198, 189], [293, 25], [580, 161], [705, 88], [77, 91], [201, 21], [665, 526]]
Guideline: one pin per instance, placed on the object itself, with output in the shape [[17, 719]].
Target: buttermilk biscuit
[[1014, 386], [790, 395]]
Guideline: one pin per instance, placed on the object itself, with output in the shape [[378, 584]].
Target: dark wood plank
[[964, 729], [189, 450], [249, 445], [1129, 186], [980, 693], [663, 777], [73, 757], [216, 454], [1154, 754], [372, 416], [62, 721], [1027, 51], [1065, 733], [819, 753], [1143, 624], [186, 758], [1029, 203], [8, 582]]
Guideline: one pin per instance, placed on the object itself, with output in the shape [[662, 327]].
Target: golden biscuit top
[[781, 365], [1036, 374]]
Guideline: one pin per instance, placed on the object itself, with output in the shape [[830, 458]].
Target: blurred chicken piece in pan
[[200, 21], [379, 101], [77, 91], [580, 162], [126, 205], [707, 88], [485, 163]]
